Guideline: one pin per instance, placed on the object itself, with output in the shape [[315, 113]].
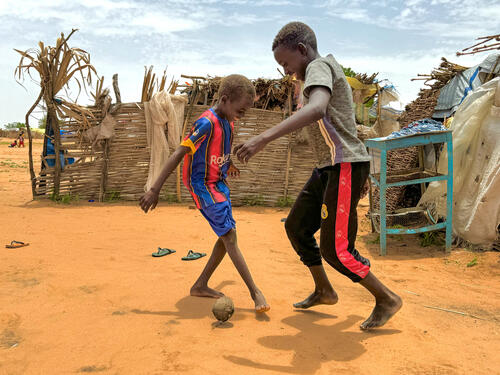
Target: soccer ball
[[223, 308]]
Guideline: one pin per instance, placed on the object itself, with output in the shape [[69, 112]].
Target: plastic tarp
[[476, 169], [455, 91], [50, 150], [390, 109], [163, 110]]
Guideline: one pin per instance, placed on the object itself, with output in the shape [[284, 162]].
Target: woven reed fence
[[120, 168], [14, 134]]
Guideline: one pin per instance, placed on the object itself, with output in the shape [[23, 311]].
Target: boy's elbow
[[318, 112]]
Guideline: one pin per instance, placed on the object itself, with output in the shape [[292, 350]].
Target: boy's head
[[294, 47], [236, 95]]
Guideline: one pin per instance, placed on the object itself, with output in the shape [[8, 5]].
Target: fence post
[[289, 148]]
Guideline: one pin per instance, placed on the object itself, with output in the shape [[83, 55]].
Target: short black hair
[[235, 86], [294, 33]]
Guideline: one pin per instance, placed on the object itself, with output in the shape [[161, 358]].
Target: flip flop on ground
[[16, 244], [193, 255], [162, 251]]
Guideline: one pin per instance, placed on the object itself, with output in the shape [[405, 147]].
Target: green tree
[[14, 126], [348, 72]]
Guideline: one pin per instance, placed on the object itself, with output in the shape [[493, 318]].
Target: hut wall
[[263, 180]]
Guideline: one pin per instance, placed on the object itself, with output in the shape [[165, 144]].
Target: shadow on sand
[[190, 307], [315, 343]]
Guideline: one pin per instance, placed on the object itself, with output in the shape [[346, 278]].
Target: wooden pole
[[104, 171], [116, 89], [379, 105], [54, 124], [30, 147], [289, 148], [184, 127], [52, 119]]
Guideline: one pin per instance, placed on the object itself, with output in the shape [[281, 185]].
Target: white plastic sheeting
[[162, 110], [476, 168]]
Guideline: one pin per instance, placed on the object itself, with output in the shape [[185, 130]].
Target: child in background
[[21, 139]]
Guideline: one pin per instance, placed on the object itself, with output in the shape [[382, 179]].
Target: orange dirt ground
[[86, 296]]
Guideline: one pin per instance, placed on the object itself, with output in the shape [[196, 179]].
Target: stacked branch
[[423, 106], [440, 76], [482, 46], [272, 94]]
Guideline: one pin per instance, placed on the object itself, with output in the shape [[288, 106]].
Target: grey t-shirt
[[334, 138]]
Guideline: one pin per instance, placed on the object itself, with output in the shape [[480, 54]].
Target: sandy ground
[[86, 296]]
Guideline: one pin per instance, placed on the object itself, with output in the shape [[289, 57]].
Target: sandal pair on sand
[[16, 244], [191, 255]]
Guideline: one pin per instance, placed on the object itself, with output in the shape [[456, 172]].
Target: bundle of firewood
[[423, 106], [441, 75], [483, 45], [272, 94]]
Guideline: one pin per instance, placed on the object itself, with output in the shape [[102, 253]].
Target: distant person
[[21, 139], [207, 162], [329, 199], [13, 144]]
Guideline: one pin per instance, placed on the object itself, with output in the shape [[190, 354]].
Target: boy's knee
[[229, 237]]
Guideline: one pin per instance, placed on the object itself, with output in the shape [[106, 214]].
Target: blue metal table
[[384, 181]]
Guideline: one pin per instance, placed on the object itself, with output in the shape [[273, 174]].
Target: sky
[[397, 39]]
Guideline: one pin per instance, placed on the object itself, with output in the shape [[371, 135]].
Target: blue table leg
[[449, 193], [383, 187]]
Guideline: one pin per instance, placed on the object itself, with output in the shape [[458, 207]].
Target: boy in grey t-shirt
[[329, 199]]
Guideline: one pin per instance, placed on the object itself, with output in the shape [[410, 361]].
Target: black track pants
[[328, 202]]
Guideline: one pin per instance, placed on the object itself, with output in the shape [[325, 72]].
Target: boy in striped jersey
[[206, 152], [329, 199]]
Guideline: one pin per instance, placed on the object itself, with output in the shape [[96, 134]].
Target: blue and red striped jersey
[[205, 166]]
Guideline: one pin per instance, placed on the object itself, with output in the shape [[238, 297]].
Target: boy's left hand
[[232, 171], [149, 201], [244, 151]]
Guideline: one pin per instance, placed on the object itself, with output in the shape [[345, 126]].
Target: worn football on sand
[[223, 308]]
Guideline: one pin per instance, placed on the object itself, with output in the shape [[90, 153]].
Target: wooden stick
[[30, 147], [104, 171], [456, 312], [289, 147], [193, 77], [116, 89], [184, 126]]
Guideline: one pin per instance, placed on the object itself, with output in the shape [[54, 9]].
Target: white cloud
[[399, 39], [442, 18]]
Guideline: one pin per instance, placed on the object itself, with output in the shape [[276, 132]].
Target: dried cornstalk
[[57, 67]]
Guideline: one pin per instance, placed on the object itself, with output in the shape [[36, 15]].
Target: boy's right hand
[[149, 201]]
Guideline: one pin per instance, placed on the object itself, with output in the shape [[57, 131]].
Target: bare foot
[[205, 291], [318, 297], [382, 312], [260, 302]]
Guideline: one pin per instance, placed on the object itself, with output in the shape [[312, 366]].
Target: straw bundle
[[152, 84]]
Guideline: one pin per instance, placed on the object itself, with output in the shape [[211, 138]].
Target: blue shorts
[[220, 217]]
